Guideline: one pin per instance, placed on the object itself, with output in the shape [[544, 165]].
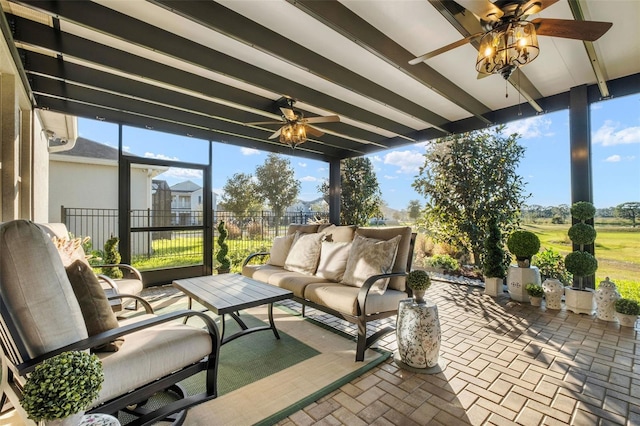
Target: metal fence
[[168, 248]]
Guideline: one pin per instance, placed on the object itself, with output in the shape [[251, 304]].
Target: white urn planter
[[493, 286], [579, 301], [418, 334], [627, 320], [606, 296], [517, 280], [553, 292]]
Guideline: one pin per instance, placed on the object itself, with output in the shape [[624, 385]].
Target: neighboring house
[[86, 177], [186, 203]]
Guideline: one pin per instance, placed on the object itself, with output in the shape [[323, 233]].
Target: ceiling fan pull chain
[[506, 92]]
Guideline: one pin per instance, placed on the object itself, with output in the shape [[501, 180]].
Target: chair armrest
[[147, 307], [109, 336], [110, 281], [129, 268], [366, 287], [252, 255]]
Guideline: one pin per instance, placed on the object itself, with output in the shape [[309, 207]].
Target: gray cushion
[[369, 257], [344, 298]]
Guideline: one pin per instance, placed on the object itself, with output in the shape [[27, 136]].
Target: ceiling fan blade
[[535, 6], [444, 49], [566, 28], [313, 131], [483, 8], [276, 134], [289, 114], [255, 123], [325, 119]]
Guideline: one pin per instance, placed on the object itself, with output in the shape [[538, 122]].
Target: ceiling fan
[[508, 40], [295, 127]]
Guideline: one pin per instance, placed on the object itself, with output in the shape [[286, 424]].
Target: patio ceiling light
[[293, 134], [506, 48]]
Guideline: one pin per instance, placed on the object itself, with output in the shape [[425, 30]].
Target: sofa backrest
[[55, 229]]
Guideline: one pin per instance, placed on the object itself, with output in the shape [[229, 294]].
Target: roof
[[87, 148], [186, 186], [204, 68]]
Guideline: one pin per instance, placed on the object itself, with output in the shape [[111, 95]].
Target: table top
[[226, 293]]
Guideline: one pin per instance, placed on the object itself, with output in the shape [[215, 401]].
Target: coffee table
[[229, 293]]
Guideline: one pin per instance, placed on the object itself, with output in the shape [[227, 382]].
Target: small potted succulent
[[535, 293], [523, 245], [627, 311], [418, 281], [61, 388], [222, 256]]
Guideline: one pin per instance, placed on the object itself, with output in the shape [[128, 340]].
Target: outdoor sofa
[[354, 273]]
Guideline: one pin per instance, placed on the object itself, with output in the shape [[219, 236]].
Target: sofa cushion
[[333, 260], [344, 298], [261, 272], [280, 250], [293, 281], [96, 310], [303, 229], [404, 249], [343, 233], [368, 257], [304, 253]]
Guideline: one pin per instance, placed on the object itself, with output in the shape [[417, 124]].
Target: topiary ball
[[582, 210], [523, 244], [582, 234], [581, 263], [418, 280]]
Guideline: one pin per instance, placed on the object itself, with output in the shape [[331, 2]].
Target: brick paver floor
[[506, 363]]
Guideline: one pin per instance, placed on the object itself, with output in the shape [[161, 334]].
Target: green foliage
[[534, 290], [523, 244], [628, 210], [360, 199], [469, 180], [582, 210], [62, 385], [223, 249], [627, 306], [494, 255], [418, 280], [277, 184], [443, 261], [551, 265], [238, 255], [581, 263], [582, 234], [254, 229], [558, 220], [413, 209], [239, 195], [112, 257], [233, 231]]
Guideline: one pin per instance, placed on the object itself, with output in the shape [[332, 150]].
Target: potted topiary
[[523, 245], [627, 311], [62, 387], [580, 262], [418, 281], [224, 262], [535, 293], [493, 267]]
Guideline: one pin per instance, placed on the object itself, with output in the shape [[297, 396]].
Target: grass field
[[617, 250]]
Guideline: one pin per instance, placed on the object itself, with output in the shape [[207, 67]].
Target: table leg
[[271, 323], [245, 329]]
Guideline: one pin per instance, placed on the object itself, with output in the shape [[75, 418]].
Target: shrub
[[222, 256], [627, 307], [112, 257], [254, 229], [234, 231], [534, 290], [582, 210], [494, 256], [582, 234], [443, 261], [523, 244], [581, 263], [551, 265], [557, 220], [418, 280]]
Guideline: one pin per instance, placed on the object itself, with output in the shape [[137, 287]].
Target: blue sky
[[546, 167]]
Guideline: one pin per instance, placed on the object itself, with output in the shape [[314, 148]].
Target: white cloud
[[609, 135], [302, 164], [160, 156], [249, 151], [613, 159], [407, 161], [390, 177], [309, 179], [183, 174], [533, 127], [375, 159]]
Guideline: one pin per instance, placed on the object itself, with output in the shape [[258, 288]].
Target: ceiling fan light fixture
[[506, 48], [293, 134]]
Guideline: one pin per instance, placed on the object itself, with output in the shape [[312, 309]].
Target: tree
[[470, 180], [240, 195], [414, 209], [360, 199], [277, 184], [628, 210]]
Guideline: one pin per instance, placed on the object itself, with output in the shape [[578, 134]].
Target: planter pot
[[493, 286], [553, 292], [579, 301], [627, 320], [418, 296], [72, 420], [518, 278], [606, 296], [418, 333], [535, 301], [523, 262], [223, 271]]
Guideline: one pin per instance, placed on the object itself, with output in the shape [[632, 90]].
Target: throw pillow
[[333, 260], [343, 233], [70, 249], [280, 250], [96, 310], [367, 257], [305, 253]]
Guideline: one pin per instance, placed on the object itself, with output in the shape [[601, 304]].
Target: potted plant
[[224, 262], [627, 311], [418, 281], [535, 293], [580, 262], [523, 245], [493, 268], [62, 387]]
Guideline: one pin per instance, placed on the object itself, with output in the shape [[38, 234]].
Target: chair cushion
[[280, 250], [293, 281], [96, 310], [304, 253], [368, 257], [344, 298], [333, 260], [261, 272]]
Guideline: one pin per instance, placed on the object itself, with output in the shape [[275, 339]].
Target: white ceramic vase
[[579, 301], [553, 292], [518, 278], [493, 286], [627, 320], [606, 296], [535, 301], [418, 333]]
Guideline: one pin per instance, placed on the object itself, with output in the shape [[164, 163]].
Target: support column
[[10, 149], [334, 191]]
